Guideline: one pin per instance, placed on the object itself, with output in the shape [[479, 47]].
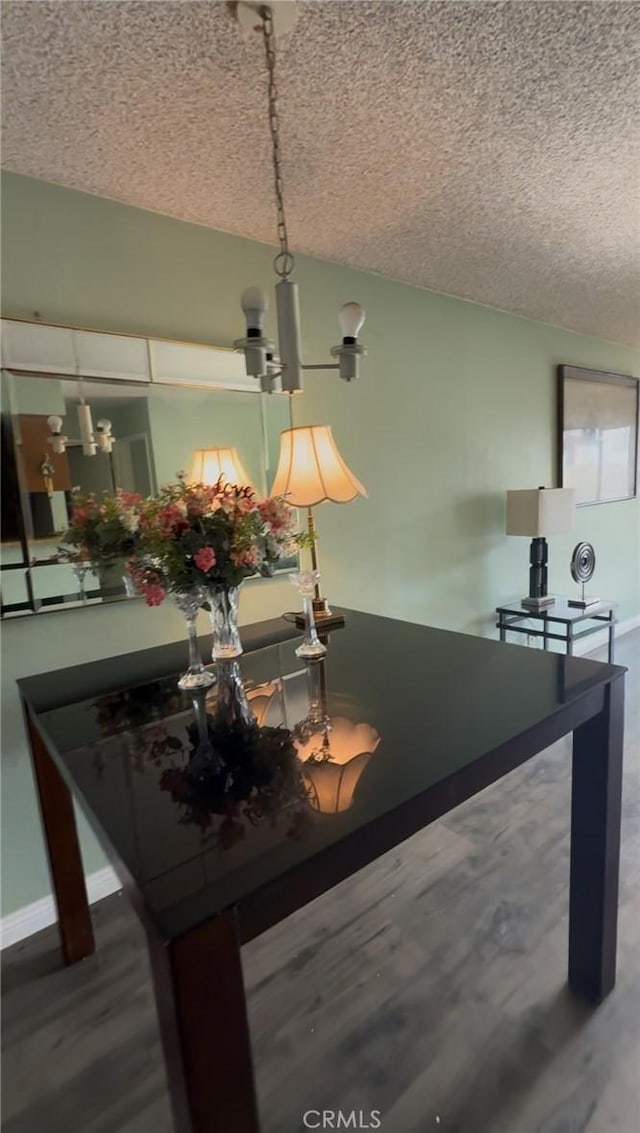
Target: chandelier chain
[[284, 261]]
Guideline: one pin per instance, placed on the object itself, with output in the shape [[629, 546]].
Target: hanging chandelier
[[261, 359]]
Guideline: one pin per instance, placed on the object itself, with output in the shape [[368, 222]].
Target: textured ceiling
[[488, 150]]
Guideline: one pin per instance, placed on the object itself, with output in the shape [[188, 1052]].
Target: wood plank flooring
[[430, 987]]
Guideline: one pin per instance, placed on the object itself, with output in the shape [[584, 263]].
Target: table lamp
[[538, 512], [311, 470], [209, 464]]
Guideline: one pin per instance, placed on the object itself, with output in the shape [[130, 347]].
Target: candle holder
[[305, 582], [79, 569], [196, 676]]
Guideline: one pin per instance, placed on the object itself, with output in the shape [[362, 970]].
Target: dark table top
[[559, 611], [408, 708]]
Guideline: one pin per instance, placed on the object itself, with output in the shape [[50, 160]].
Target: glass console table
[[559, 622]]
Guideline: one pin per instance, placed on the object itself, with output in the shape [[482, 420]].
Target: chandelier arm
[[284, 262], [320, 366]]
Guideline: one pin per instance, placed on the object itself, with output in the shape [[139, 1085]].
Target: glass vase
[[115, 580], [232, 705], [223, 608], [196, 675]]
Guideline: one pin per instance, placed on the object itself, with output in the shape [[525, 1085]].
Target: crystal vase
[[232, 705], [196, 675], [223, 607], [115, 580]]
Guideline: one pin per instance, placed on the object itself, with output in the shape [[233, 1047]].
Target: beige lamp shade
[[332, 786], [333, 761], [209, 464], [264, 699], [311, 470], [540, 512]]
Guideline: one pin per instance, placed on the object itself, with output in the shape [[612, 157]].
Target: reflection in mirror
[[157, 431]]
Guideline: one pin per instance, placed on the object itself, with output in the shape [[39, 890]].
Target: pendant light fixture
[[261, 361], [100, 439], [93, 440]]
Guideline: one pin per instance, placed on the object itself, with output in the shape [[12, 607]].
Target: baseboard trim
[[40, 914], [24, 922]]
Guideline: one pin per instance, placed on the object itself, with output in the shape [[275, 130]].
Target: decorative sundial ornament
[[583, 564]]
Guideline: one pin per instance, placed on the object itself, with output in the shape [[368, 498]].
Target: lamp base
[[321, 608], [324, 621], [538, 603]]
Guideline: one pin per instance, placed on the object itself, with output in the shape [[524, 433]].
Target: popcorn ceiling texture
[[488, 150]]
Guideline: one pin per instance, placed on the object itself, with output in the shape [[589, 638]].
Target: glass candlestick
[[79, 569], [196, 675], [204, 759], [305, 583]]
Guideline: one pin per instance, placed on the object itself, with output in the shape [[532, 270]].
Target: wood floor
[[430, 987]]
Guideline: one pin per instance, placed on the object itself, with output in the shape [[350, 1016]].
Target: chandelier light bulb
[[104, 425], [254, 304], [55, 423], [351, 318]]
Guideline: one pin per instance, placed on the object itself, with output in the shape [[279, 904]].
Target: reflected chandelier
[[261, 360]]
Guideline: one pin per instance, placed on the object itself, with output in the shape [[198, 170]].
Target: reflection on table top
[[394, 709]]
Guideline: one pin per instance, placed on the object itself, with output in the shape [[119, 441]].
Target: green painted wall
[[456, 404]]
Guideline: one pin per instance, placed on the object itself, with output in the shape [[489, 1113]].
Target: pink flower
[[276, 515], [204, 559], [247, 558], [80, 515], [154, 594], [172, 521]]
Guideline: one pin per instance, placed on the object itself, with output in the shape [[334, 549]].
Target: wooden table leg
[[63, 851], [205, 1032], [596, 795]]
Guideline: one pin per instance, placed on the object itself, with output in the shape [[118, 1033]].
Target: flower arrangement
[[101, 529], [199, 537], [250, 776]]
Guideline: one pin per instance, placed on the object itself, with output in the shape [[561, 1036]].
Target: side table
[[559, 622]]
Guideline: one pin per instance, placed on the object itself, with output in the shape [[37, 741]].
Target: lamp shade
[[333, 761], [209, 464], [540, 512], [311, 470]]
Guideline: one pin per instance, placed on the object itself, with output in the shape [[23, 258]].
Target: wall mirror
[[157, 427]]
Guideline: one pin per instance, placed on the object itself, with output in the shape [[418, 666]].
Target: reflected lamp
[[208, 465]]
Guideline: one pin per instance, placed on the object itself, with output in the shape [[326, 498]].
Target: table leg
[[595, 847], [502, 630], [205, 1032], [569, 641], [612, 637], [63, 851]]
